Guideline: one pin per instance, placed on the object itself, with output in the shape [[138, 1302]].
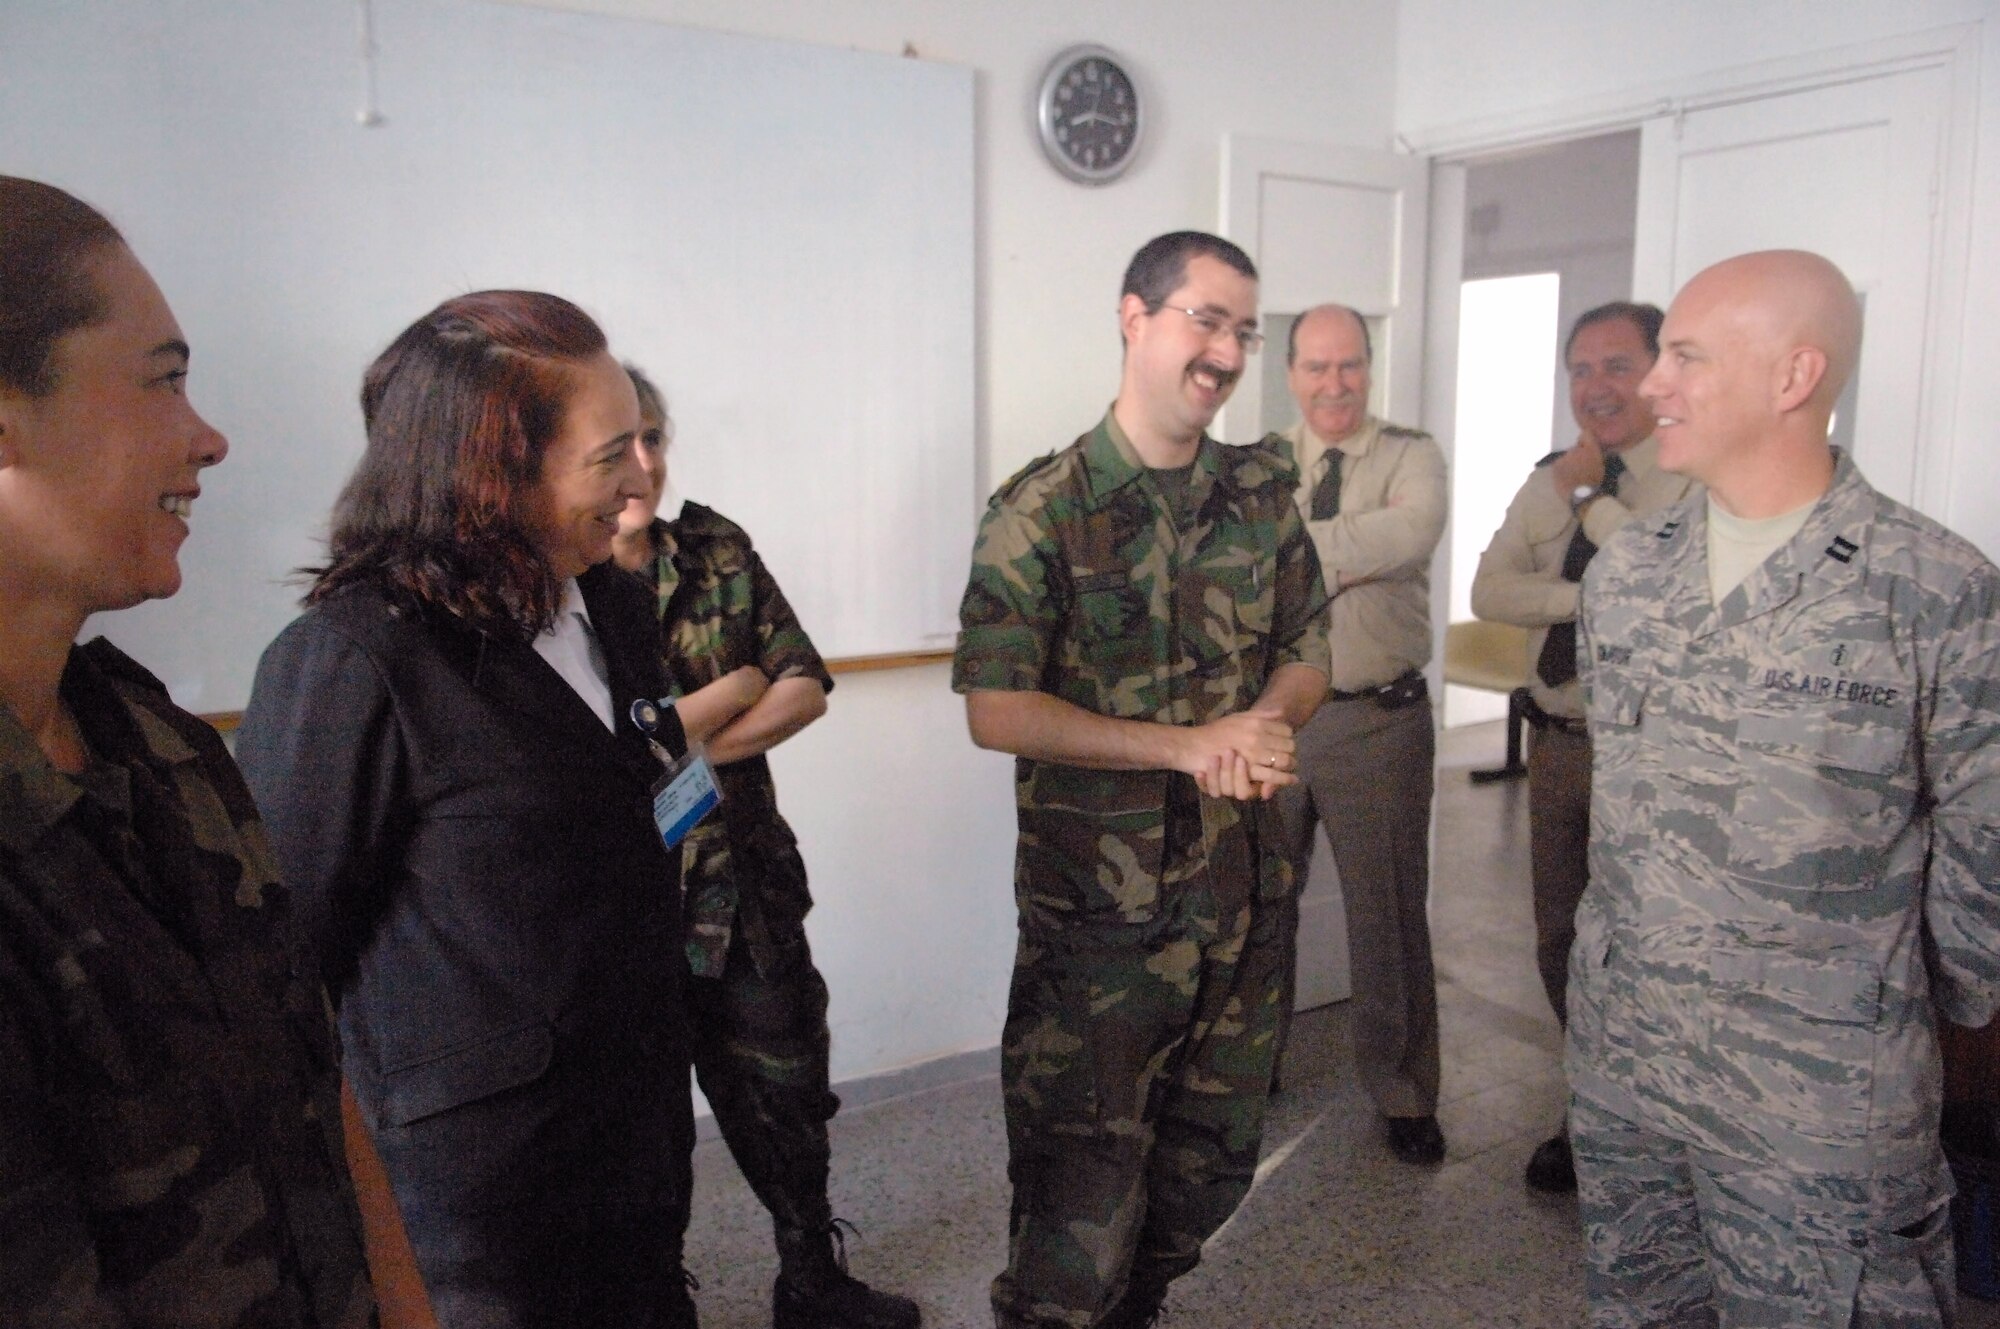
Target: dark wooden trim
[[861, 664]]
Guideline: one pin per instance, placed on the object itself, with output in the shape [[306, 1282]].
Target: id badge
[[682, 796]]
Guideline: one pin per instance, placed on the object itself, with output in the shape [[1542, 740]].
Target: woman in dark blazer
[[442, 753]]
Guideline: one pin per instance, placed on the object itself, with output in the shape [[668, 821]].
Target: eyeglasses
[[1251, 340]]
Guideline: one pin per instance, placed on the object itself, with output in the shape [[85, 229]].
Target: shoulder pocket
[[466, 1073]]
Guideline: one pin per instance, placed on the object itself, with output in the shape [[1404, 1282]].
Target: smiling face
[[98, 478], [652, 451], [1329, 374], [591, 469], [1177, 373], [1711, 387], [1606, 363]]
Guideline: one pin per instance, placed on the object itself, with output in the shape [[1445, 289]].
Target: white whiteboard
[[781, 234]]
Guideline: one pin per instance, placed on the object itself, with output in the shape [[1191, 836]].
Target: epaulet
[[1021, 477], [700, 519], [1548, 459], [1402, 431], [114, 663], [1273, 452]]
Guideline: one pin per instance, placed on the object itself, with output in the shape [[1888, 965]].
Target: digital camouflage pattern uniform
[[1795, 847], [1137, 1053], [758, 1006], [170, 1129]]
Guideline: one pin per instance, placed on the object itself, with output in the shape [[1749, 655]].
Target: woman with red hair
[[442, 749]]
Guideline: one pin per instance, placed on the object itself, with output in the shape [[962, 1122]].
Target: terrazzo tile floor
[[1336, 1231]]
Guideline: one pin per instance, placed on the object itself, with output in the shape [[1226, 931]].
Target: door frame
[[1452, 147]]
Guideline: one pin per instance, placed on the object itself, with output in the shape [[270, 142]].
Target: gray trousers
[[1677, 1237], [1558, 851], [1368, 774]]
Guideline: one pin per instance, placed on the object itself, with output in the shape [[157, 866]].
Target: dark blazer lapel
[[529, 690], [622, 615]]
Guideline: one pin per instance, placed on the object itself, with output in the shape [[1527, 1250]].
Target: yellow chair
[[1493, 657]]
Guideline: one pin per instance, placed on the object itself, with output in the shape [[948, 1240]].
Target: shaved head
[[1754, 354], [1786, 300]]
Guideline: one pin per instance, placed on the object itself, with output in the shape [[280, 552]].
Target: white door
[[1852, 171], [1327, 224]]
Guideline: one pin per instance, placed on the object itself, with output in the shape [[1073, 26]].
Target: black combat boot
[[678, 1311], [815, 1291], [1140, 1308]]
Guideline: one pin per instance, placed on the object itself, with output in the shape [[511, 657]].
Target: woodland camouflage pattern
[[170, 1129], [1081, 588], [720, 609], [1795, 792], [1136, 1057], [761, 1043]]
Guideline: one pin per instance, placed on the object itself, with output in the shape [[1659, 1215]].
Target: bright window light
[[1507, 332], [1506, 365]]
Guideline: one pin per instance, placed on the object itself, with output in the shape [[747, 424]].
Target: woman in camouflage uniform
[[170, 1150], [747, 678]]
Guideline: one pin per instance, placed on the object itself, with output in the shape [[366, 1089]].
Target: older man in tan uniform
[[1573, 501], [1373, 496]]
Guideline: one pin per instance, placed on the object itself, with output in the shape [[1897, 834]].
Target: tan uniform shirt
[[1520, 577], [1392, 508]]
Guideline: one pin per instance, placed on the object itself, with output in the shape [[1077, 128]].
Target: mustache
[[1223, 377]]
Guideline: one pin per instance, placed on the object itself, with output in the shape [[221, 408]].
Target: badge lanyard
[[686, 791]]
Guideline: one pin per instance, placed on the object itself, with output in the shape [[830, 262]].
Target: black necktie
[[1326, 494], [1557, 663]]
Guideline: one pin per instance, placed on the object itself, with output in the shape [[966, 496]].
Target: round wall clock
[[1089, 112]]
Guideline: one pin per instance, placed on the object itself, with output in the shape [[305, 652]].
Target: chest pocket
[[1117, 646], [1814, 734]]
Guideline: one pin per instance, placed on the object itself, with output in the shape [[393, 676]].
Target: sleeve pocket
[[466, 1074]]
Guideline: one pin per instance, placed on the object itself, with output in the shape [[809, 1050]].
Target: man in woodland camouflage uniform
[[1794, 697], [1144, 628]]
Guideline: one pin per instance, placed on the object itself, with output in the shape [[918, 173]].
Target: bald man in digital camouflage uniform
[[1794, 693]]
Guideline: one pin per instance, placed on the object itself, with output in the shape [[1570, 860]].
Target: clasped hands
[[1247, 755]]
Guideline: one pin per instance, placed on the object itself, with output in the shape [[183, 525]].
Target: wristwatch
[[1581, 495]]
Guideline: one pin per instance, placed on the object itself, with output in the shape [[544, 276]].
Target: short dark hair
[[460, 412], [652, 402], [48, 241], [1160, 266], [1646, 318], [1292, 333]]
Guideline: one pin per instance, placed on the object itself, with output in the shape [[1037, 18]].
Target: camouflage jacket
[[1795, 843], [1081, 587], [720, 609], [170, 1131]]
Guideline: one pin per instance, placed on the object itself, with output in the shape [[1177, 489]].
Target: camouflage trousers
[[1680, 1236], [1135, 1063], [760, 1045]]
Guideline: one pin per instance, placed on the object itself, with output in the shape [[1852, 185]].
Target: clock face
[[1089, 115]]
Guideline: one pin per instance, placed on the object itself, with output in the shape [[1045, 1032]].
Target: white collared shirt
[[571, 649]]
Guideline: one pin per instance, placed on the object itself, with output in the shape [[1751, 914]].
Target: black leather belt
[[1565, 724], [1394, 695]]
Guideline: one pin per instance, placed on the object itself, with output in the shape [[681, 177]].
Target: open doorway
[[1548, 234]]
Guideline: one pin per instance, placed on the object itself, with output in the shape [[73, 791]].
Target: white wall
[[907, 829], [1460, 62], [1569, 209]]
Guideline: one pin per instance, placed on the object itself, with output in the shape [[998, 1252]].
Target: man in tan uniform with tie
[[1373, 496], [1573, 501]]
